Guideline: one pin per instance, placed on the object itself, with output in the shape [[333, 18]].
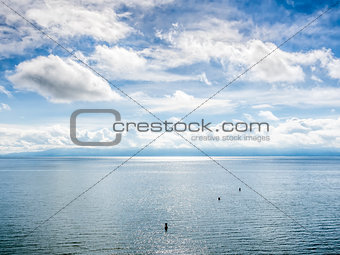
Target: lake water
[[126, 212]]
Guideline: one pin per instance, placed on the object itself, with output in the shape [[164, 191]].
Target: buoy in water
[[166, 226], [218, 198], [239, 189]]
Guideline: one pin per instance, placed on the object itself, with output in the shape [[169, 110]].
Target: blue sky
[[170, 56]]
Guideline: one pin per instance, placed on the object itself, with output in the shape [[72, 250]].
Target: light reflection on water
[[126, 213]]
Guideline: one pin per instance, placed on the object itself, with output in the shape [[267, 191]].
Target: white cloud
[[65, 19], [318, 133], [16, 35], [61, 80], [315, 78], [199, 42], [276, 68], [4, 91], [127, 64], [289, 134], [118, 63], [334, 68], [287, 96], [181, 102], [4, 107], [208, 39], [15, 42], [260, 106], [68, 20], [202, 45], [129, 3], [19, 138], [268, 115], [145, 3], [248, 117], [25, 138], [237, 100], [203, 78], [221, 40]]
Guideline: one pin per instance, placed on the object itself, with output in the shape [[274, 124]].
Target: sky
[[169, 56]]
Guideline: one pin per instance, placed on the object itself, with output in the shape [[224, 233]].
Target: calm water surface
[[125, 214]]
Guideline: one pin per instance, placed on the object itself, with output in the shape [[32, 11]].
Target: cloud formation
[[171, 55], [5, 91], [118, 63], [4, 107], [181, 102], [222, 41], [61, 80], [68, 20], [292, 134], [268, 115]]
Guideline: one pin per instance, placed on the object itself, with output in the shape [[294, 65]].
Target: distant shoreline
[[229, 157]]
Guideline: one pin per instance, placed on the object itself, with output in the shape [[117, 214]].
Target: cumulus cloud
[[61, 80], [211, 39], [67, 20], [18, 138], [181, 102], [221, 40], [190, 47], [308, 132], [127, 64], [290, 96], [197, 42], [334, 68], [293, 133], [16, 41], [268, 115], [23, 138], [208, 39], [4, 107], [16, 34], [276, 68]]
